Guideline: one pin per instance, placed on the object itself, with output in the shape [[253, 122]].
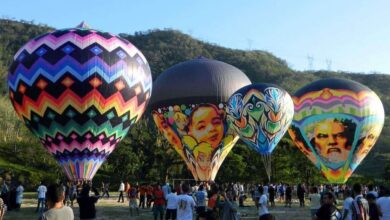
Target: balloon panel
[[336, 128], [79, 91], [199, 134], [261, 115]]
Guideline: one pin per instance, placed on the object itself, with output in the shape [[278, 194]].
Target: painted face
[[368, 142], [167, 131], [207, 126], [203, 160], [181, 123], [330, 141]]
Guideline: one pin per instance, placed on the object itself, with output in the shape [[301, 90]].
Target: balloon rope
[[267, 164]]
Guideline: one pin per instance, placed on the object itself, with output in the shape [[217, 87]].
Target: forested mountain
[[144, 154]]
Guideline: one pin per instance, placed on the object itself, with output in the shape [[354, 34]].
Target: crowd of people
[[206, 200]]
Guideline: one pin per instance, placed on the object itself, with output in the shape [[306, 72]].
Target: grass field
[[110, 209]]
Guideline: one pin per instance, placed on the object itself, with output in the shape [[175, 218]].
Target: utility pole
[[328, 64], [310, 60], [250, 43]]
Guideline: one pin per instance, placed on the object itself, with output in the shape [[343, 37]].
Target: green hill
[[164, 48]]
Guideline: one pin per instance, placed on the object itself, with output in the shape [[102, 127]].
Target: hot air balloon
[[336, 123], [260, 114], [188, 107], [79, 91]]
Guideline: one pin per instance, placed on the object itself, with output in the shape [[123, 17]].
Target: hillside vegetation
[[144, 155]]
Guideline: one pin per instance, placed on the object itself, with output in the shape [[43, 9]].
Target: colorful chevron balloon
[[79, 91], [336, 123]]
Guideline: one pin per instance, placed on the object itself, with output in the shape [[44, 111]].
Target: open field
[[110, 209]]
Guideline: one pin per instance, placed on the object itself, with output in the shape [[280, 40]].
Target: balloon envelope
[[336, 123], [79, 91], [260, 114], [188, 108]]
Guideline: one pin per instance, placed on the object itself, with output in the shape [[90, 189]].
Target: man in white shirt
[[121, 190], [171, 205], [384, 205], [263, 210], [347, 206], [185, 204], [41, 198]]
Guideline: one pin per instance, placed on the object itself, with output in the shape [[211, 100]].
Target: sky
[[338, 35]]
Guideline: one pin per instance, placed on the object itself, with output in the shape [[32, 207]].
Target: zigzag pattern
[[347, 102], [79, 91], [62, 145], [39, 101], [94, 66], [80, 38], [71, 47], [55, 129]]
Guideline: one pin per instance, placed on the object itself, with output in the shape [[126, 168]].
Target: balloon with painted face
[[188, 107], [336, 123], [260, 114], [79, 91]]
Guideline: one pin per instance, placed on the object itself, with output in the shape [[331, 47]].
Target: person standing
[[171, 205], [55, 202], [271, 192], [3, 209], [229, 209], [159, 202], [132, 193], [19, 195], [315, 201], [384, 204], [107, 190], [301, 195], [372, 191], [328, 210], [6, 193], [185, 204], [121, 190], [41, 198], [73, 193], [127, 187], [347, 206], [374, 210], [288, 196], [87, 203], [166, 190], [200, 198], [149, 195], [360, 207], [263, 210], [142, 193]]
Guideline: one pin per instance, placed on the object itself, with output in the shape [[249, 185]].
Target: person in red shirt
[[142, 192], [159, 202], [149, 195]]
